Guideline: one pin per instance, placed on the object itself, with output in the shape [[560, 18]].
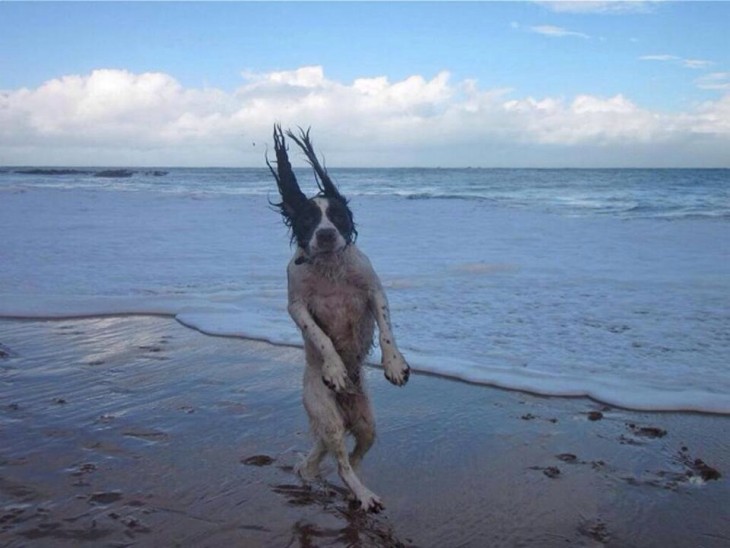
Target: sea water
[[613, 284]]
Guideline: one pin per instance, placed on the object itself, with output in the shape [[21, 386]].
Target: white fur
[[336, 300], [325, 223]]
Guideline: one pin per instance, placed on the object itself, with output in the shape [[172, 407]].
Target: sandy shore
[[135, 431]]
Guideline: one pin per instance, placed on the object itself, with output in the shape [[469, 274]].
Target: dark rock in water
[[114, 173], [40, 171], [595, 416], [156, 173]]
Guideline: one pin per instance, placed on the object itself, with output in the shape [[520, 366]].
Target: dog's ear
[[324, 182], [292, 198]]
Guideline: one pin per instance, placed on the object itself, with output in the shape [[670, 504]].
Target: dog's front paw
[[396, 369], [334, 376]]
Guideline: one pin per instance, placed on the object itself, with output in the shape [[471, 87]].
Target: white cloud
[[116, 117], [556, 32], [687, 63], [696, 63], [111, 106], [714, 81], [601, 7], [663, 57], [587, 119], [713, 118], [304, 77]]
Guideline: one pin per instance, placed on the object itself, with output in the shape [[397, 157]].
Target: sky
[[382, 84]]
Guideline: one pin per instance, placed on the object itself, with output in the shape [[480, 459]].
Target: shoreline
[[370, 364], [138, 430]]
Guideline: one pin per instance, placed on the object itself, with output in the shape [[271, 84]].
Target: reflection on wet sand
[[137, 431]]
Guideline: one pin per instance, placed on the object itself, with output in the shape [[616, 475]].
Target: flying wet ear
[[324, 182], [292, 198]]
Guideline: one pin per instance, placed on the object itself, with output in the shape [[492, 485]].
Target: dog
[[335, 298]]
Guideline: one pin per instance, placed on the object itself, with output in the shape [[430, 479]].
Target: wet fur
[[336, 300]]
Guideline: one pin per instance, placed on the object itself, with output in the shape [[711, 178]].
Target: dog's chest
[[337, 303]]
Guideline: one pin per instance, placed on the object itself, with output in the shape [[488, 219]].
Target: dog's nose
[[326, 236]]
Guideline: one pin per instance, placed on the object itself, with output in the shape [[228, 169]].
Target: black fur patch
[[304, 222], [341, 217]]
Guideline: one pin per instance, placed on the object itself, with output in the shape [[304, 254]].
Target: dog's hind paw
[[370, 503], [306, 471]]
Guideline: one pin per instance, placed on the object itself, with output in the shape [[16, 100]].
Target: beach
[[134, 430], [541, 188]]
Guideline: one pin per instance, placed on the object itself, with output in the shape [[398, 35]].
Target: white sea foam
[[632, 313]]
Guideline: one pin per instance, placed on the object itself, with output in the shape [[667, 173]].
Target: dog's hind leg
[[363, 429], [368, 500], [308, 470], [328, 426]]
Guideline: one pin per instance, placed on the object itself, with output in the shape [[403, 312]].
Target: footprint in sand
[[258, 460]]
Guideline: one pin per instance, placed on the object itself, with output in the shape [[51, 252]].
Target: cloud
[[556, 32], [663, 58], [115, 117], [549, 30], [713, 117], [687, 63], [714, 81], [601, 7], [586, 119], [112, 106], [697, 63]]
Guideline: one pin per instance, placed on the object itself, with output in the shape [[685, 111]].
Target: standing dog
[[335, 298]]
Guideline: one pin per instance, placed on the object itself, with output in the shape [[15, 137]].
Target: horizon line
[[5, 168]]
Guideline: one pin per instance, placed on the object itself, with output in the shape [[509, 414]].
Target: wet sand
[[136, 431]]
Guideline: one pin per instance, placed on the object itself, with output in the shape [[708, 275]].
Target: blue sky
[[497, 83]]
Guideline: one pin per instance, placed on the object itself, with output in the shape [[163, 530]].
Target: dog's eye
[[308, 218], [339, 216]]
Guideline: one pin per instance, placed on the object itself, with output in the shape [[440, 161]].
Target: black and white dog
[[335, 298]]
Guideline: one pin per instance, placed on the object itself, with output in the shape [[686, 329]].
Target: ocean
[[611, 284]]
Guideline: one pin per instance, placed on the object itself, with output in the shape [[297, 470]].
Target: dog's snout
[[326, 236]]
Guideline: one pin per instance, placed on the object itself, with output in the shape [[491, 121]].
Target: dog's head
[[321, 225]]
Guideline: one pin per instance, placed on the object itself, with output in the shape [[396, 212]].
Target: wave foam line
[[227, 321]]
